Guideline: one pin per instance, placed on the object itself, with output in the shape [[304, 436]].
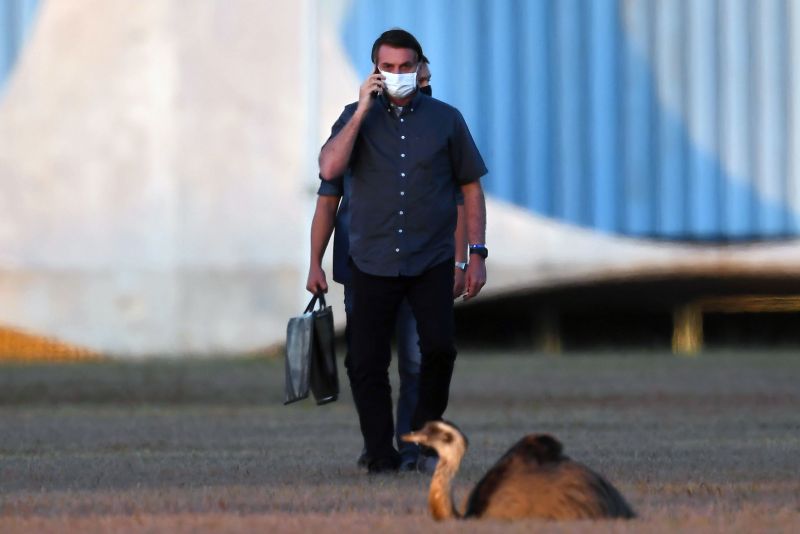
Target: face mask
[[426, 90], [400, 85]]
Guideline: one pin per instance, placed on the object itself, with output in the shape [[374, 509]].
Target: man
[[424, 77], [332, 209], [408, 156]]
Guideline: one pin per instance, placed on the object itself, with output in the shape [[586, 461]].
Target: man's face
[[423, 75], [396, 60]]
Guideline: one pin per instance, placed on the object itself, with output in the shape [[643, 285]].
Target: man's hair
[[397, 38]]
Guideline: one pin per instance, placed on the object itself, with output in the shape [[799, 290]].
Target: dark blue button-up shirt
[[405, 175], [340, 187]]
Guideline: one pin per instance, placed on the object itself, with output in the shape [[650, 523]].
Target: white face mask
[[400, 85]]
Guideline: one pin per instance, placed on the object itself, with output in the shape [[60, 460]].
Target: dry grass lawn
[[710, 444]]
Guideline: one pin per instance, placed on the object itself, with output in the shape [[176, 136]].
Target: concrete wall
[[154, 166], [157, 164]]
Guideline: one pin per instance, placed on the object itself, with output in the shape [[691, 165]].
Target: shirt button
[[397, 250], [402, 120], [400, 212], [412, 109], [402, 193], [403, 174], [402, 137], [400, 231], [402, 155]]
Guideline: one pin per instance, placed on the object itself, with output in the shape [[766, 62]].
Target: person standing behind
[[424, 77], [408, 156], [332, 211]]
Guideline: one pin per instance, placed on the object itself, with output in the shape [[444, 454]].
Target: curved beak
[[413, 437]]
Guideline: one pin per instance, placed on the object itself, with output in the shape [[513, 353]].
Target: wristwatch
[[461, 265], [479, 249]]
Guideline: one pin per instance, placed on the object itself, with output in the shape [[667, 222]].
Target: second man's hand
[[459, 283], [317, 282]]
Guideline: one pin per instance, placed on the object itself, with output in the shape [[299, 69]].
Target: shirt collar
[[415, 101]]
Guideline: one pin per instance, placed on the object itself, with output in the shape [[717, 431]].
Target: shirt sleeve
[[343, 119], [466, 160], [331, 188]]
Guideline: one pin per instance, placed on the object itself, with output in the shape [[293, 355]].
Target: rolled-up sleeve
[[347, 113], [331, 188], [343, 119]]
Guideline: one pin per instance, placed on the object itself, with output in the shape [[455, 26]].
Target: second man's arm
[[461, 255], [321, 229]]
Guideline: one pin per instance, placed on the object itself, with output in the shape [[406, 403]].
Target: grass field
[[710, 444]]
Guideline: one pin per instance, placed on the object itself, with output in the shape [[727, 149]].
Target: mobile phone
[[376, 71]]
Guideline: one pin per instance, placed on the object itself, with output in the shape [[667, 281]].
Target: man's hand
[[459, 284], [316, 282], [476, 276], [373, 84]]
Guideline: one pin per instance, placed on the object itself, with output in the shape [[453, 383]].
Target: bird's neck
[[440, 498]]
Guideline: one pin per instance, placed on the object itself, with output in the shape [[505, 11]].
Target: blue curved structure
[[16, 17], [669, 120]]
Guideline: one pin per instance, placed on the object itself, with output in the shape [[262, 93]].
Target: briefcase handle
[[322, 305]]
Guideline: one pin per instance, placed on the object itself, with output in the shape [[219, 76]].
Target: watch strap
[[479, 249]]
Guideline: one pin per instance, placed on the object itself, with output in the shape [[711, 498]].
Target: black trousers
[[375, 303]]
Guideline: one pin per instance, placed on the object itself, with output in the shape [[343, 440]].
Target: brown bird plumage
[[532, 480]]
